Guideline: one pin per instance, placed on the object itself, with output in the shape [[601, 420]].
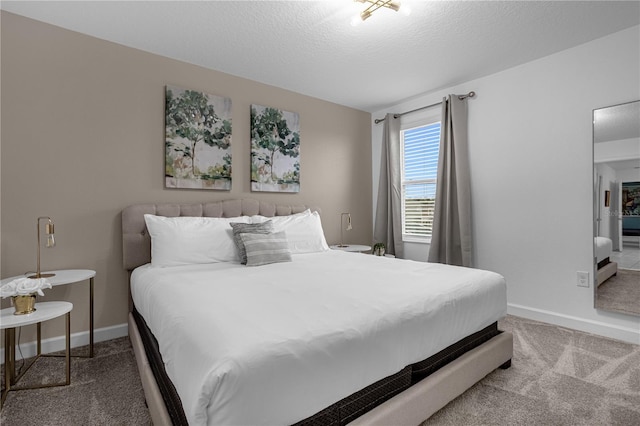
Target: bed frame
[[410, 407], [606, 269]]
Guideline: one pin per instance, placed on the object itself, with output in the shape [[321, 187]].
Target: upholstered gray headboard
[[136, 242]]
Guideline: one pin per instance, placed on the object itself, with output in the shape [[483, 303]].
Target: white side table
[[9, 322], [71, 276], [355, 248]]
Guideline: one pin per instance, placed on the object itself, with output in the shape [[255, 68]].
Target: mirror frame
[[595, 206]]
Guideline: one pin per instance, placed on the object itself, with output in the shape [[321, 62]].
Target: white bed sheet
[[604, 247], [275, 344]]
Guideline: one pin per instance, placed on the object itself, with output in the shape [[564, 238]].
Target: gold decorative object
[[51, 242], [24, 304]]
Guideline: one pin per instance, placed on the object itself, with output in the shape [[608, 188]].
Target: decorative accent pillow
[[248, 228], [191, 240], [263, 249]]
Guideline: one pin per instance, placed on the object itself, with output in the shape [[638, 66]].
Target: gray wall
[[83, 137]]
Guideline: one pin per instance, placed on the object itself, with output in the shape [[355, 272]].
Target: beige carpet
[[104, 390], [620, 293], [558, 377]]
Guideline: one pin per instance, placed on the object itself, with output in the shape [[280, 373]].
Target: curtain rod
[[461, 97]]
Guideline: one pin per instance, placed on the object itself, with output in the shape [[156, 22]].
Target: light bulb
[[356, 20], [49, 230]]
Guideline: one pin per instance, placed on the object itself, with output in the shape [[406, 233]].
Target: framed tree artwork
[[275, 150], [197, 140]]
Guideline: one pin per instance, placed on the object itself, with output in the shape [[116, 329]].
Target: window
[[420, 148]]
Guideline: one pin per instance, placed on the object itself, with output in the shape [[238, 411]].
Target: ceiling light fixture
[[373, 5]]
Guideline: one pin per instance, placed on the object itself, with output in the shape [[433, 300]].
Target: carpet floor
[[558, 377], [104, 390], [620, 293]]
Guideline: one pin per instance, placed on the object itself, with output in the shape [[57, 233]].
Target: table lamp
[[51, 242], [349, 228]]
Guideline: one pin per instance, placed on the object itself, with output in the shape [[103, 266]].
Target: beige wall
[[83, 137]]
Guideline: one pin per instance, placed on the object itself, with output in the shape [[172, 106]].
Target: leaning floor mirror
[[616, 205]]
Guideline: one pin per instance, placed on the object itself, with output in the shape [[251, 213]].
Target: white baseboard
[[57, 343], [626, 334]]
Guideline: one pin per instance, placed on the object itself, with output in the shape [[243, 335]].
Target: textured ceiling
[[310, 47]]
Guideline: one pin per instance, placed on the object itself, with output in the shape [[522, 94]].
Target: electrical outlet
[[583, 279]]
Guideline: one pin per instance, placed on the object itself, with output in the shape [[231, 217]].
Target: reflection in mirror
[[616, 155]]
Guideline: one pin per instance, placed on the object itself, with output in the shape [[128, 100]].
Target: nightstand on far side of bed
[[352, 248]]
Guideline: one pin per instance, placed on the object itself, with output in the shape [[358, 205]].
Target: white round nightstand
[[45, 311], [71, 276], [354, 248]]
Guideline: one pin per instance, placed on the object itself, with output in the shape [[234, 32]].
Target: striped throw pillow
[[248, 228], [263, 249]]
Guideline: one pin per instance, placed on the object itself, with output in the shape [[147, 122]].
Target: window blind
[[420, 170]]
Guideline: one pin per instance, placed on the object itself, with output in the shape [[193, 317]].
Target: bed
[[605, 267], [328, 337]]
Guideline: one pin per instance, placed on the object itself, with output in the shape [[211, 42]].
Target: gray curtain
[[388, 226], [451, 236]]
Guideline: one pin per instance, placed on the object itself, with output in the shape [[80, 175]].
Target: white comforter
[[275, 344]]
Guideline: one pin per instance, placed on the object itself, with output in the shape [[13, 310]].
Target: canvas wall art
[[197, 140], [275, 150]]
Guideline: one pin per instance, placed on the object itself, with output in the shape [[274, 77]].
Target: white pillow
[[304, 231], [191, 240], [279, 219], [306, 235]]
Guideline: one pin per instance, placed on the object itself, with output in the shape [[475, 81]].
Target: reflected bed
[[605, 267]]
